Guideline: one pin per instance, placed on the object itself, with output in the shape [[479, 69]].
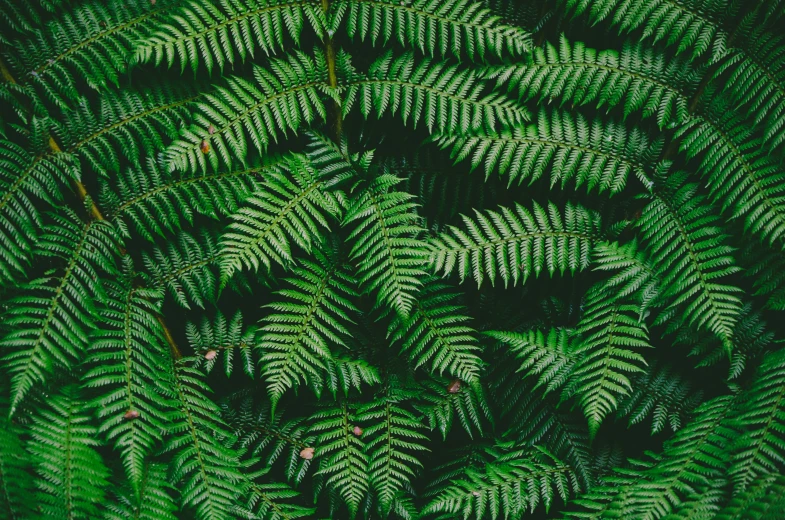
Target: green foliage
[[235, 240]]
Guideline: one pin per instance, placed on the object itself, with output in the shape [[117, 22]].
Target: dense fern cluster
[[417, 259]]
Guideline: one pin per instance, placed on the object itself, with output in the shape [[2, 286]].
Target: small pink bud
[[210, 355], [476, 493], [357, 431], [454, 387], [211, 129], [130, 415], [307, 453], [205, 147]]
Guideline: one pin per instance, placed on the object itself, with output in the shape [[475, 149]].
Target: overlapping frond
[[62, 442], [387, 246], [342, 455], [393, 437], [16, 484], [309, 319], [434, 27], [205, 462], [228, 31], [438, 95], [764, 499], [442, 399], [152, 502], [290, 208], [693, 260], [600, 155], [243, 115], [227, 340], [126, 372], [508, 488], [26, 181], [436, 333], [269, 502], [48, 324], [516, 243], [637, 78]]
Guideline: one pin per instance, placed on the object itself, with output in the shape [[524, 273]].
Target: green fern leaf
[[152, 502], [16, 483], [226, 340], [266, 502], [515, 243]]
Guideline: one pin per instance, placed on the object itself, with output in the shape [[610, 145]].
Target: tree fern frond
[[611, 336], [764, 499], [637, 78], [62, 443], [152, 502], [753, 74], [225, 339], [393, 438], [49, 322], [291, 208], [92, 38], [691, 27], [760, 450], [436, 334], [386, 243], [25, 180], [633, 275], [153, 201], [128, 126], [243, 113], [687, 246], [546, 357], [206, 465], [740, 177], [227, 31], [434, 27], [16, 482], [443, 97], [342, 458], [507, 488], [187, 268], [442, 399], [594, 153], [663, 394], [307, 320], [266, 502], [127, 351], [515, 243]]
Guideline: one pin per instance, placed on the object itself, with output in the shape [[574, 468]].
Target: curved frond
[[152, 502], [227, 339], [516, 243]]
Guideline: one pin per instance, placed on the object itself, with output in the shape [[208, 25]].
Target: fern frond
[[244, 113], [16, 482], [206, 465], [690, 27], [393, 438], [663, 394], [342, 458], [92, 38], [686, 244], [386, 243], [760, 450], [753, 75], [439, 405], [516, 243], [227, 339], [764, 499], [434, 27], [435, 334], [308, 319], [611, 336], [740, 177], [152, 502], [153, 201], [187, 268], [633, 275], [266, 502], [24, 181], [62, 443], [637, 78], [227, 31], [127, 351], [128, 126], [443, 97], [291, 208], [49, 322], [547, 358], [508, 487], [600, 155]]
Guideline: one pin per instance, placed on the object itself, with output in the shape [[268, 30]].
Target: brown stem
[[81, 191], [332, 79]]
